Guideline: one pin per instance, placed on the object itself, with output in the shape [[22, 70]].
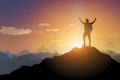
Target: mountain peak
[[24, 52], [81, 61]]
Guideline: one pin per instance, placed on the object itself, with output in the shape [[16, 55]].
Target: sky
[[54, 24]]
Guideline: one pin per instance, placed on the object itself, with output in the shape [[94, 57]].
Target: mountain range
[[86, 63], [10, 62]]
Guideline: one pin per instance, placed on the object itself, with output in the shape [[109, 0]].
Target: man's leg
[[84, 35], [89, 37]]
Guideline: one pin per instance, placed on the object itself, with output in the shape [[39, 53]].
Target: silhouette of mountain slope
[[83, 63], [10, 62]]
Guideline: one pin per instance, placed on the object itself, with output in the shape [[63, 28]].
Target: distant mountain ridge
[[24, 52], [10, 62], [78, 64], [5, 55], [113, 54]]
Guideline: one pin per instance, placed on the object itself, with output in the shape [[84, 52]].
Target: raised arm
[[93, 21], [81, 20]]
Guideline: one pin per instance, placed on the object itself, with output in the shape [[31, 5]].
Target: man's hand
[[81, 20], [94, 21]]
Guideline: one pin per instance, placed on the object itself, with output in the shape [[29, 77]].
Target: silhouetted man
[[87, 30]]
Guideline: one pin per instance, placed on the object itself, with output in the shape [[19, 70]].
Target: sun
[[77, 43]]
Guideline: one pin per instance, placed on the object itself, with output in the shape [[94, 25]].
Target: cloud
[[44, 24], [52, 30], [38, 32], [71, 24], [56, 41], [113, 35], [108, 35], [14, 31]]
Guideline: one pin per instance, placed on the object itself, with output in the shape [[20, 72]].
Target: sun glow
[[77, 43]]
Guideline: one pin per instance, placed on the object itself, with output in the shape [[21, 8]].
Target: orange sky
[[55, 25]]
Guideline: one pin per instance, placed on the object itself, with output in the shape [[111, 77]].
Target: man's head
[[87, 20]]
